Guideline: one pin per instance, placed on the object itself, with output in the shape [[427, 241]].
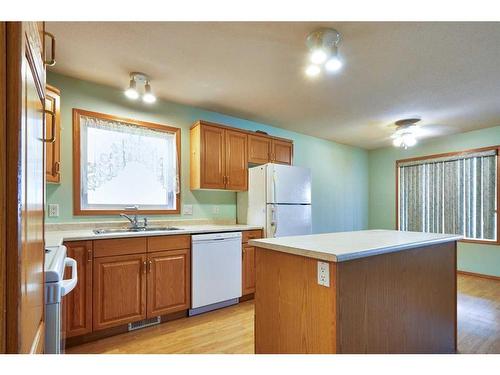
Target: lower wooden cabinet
[[248, 270], [169, 282], [78, 303], [119, 290]]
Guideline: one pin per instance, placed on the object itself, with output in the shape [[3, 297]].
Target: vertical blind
[[455, 195]]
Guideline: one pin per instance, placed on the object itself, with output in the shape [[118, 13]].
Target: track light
[[148, 96], [132, 93], [323, 51]]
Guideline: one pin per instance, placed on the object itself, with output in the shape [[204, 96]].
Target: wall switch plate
[[53, 210], [216, 210], [324, 274], [187, 209]]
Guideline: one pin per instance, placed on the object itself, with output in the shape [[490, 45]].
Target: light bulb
[[409, 140], [333, 64], [313, 70], [397, 142], [148, 96], [131, 92], [318, 56]]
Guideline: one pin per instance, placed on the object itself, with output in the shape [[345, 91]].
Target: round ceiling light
[[405, 134]]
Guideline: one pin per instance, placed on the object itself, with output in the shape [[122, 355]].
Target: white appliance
[[55, 289], [278, 199], [215, 271]]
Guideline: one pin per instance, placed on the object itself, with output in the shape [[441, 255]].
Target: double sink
[[133, 230]]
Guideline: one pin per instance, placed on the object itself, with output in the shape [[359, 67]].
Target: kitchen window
[[120, 163], [450, 193]]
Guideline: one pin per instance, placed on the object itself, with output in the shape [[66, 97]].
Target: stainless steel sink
[[133, 230]]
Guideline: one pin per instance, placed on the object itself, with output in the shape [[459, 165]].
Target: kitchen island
[[375, 291]]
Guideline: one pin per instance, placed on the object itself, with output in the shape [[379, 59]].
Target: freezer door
[[288, 184], [288, 220]]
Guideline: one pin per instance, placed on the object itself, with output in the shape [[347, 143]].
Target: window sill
[[481, 242], [84, 212]]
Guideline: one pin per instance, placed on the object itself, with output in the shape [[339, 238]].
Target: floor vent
[[144, 323]]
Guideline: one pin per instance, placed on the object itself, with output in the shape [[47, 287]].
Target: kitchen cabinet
[[53, 134], [119, 290], [78, 303], [248, 261], [218, 158], [248, 268], [282, 152], [168, 282], [264, 149], [259, 149]]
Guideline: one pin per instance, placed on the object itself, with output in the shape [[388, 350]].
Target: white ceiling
[[448, 74]]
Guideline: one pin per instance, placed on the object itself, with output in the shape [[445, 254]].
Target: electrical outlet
[[324, 274], [216, 210], [53, 210], [187, 209]]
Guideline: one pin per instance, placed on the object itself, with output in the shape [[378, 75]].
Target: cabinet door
[[259, 149], [236, 160], [119, 287], [169, 282], [248, 269], [78, 303], [282, 152], [212, 157], [52, 123]]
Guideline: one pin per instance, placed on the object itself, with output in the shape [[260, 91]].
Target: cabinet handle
[[52, 126], [89, 255], [57, 166], [52, 60], [227, 180], [150, 265], [144, 268]]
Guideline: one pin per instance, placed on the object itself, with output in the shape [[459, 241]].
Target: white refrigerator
[[278, 199]]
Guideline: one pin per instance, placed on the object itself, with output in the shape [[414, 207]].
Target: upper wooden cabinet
[[259, 149], [282, 152], [220, 155], [53, 134], [264, 149], [218, 158]]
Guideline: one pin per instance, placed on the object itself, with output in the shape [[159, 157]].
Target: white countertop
[[342, 246], [56, 238]]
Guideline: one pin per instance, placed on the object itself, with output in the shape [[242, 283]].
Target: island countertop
[[343, 246]]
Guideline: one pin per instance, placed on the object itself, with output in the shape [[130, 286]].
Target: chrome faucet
[[134, 221]]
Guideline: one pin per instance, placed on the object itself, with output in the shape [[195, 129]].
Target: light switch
[[324, 274], [187, 209], [53, 210], [216, 210]]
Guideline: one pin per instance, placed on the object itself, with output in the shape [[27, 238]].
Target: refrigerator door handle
[[274, 187], [274, 220]]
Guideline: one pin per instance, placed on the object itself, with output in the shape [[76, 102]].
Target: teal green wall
[[382, 197], [340, 173]]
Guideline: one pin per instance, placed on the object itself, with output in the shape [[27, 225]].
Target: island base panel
[[400, 302]]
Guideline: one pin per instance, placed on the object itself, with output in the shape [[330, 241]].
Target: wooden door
[[53, 132], [25, 188], [78, 303], [169, 282], [259, 149], [212, 157], [282, 152], [119, 290], [236, 160], [248, 268]]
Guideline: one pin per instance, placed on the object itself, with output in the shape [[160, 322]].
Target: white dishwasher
[[215, 271]]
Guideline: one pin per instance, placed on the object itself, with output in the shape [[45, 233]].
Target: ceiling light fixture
[[323, 50], [132, 93], [405, 134]]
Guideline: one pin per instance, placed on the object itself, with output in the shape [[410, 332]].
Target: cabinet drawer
[[119, 246], [251, 235], [162, 243]]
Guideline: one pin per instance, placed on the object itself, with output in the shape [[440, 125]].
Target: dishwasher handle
[[69, 285]]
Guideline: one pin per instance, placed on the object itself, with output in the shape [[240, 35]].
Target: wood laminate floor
[[230, 330]]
